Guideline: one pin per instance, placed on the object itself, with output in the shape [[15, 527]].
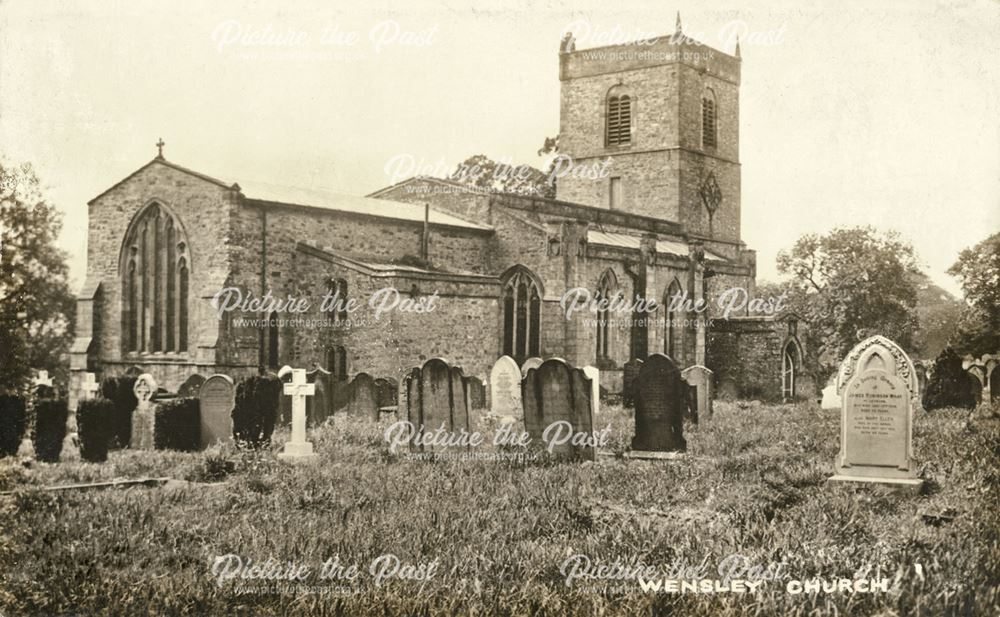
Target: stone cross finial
[[298, 448], [159, 147], [43, 379], [89, 385]]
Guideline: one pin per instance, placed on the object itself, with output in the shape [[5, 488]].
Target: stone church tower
[[664, 115]]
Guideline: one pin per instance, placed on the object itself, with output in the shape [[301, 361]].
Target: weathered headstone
[[285, 407], [361, 399], [436, 397], [699, 379], [878, 387], [630, 370], [191, 386], [660, 401], [556, 392], [594, 375], [477, 392], [144, 416], [831, 400], [530, 363], [505, 389], [216, 399], [387, 395], [319, 407], [297, 448]]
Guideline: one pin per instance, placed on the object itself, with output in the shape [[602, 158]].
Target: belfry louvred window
[[155, 278], [619, 120]]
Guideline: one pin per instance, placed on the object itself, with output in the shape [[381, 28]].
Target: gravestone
[[660, 401], [191, 386], [630, 370], [319, 406], [297, 449], [878, 387], [477, 392], [436, 397], [831, 400], [143, 418], [216, 399], [361, 401], [699, 379], [594, 375], [505, 389], [386, 395], [285, 376], [556, 392], [530, 363]]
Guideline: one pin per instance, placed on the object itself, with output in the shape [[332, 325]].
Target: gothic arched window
[[619, 118], [521, 299], [673, 328], [709, 113], [155, 272], [337, 288], [605, 293], [791, 356]]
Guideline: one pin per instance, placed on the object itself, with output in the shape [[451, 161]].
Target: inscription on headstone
[[556, 392], [436, 397], [505, 389]]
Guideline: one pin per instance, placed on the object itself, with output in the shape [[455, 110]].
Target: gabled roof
[[276, 195]]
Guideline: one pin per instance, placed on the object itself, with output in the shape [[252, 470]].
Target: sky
[[852, 113]]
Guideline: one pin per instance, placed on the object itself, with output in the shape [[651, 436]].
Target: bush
[[50, 428], [178, 425], [257, 401], [13, 421], [950, 385], [118, 390], [94, 418]]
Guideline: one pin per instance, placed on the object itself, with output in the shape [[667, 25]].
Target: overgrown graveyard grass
[[753, 483]]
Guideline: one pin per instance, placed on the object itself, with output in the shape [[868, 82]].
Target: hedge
[[118, 390], [50, 428], [94, 420], [13, 421], [258, 399], [949, 385], [178, 425]]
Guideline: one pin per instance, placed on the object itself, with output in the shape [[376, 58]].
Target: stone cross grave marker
[[660, 400], [89, 386], [594, 375], [878, 387], [297, 448], [144, 416], [699, 378], [505, 389], [43, 379], [217, 397]]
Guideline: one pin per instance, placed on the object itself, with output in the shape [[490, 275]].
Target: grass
[[753, 484]]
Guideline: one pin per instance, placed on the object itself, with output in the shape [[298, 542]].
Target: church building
[[459, 273]]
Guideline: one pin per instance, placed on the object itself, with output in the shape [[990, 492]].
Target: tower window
[[619, 120], [708, 123], [615, 193]]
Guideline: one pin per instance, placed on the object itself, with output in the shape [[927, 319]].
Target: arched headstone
[[436, 397], [529, 364], [699, 379], [191, 386], [216, 399], [878, 387], [556, 392], [505, 388], [660, 401]]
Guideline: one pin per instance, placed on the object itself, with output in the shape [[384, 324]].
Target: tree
[[482, 172], [850, 284], [36, 306], [978, 270]]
